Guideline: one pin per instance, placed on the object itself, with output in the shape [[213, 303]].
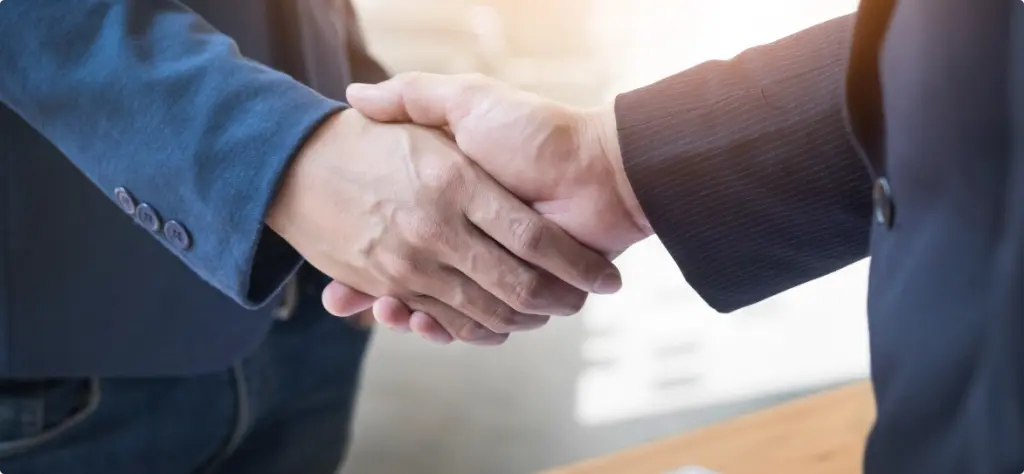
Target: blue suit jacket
[[769, 170], [141, 144]]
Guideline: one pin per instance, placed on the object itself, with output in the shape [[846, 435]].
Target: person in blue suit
[[174, 177]]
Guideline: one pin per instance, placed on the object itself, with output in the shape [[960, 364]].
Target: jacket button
[[147, 216], [178, 235], [125, 200], [884, 207]]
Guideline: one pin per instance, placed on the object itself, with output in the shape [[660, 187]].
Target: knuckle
[[502, 319], [459, 299], [527, 234], [526, 294], [402, 268], [446, 177], [496, 317], [424, 231]]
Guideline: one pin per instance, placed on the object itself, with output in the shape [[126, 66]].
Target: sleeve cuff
[[272, 260], [746, 171]]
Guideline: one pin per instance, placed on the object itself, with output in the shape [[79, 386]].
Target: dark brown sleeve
[[365, 68], [745, 168]]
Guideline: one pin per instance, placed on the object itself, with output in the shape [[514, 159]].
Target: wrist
[[280, 215], [601, 139]]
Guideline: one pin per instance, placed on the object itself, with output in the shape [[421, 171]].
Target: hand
[[565, 162], [398, 210]]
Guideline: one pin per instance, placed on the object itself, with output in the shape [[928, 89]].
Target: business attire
[[896, 133], [141, 323]]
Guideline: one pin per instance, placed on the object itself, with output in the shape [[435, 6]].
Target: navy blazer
[[899, 134], [141, 144]]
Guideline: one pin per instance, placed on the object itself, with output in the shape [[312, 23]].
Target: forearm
[[145, 95], [745, 169]]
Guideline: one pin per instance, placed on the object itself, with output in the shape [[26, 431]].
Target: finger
[[392, 313], [427, 99], [509, 281], [537, 240], [427, 327], [466, 296], [343, 301], [458, 325]]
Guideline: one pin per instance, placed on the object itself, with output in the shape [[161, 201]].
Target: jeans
[[285, 409]]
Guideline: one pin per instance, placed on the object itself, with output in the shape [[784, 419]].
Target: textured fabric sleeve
[[147, 96], [746, 170]]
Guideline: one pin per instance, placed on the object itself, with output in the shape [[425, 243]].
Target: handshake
[[460, 208]]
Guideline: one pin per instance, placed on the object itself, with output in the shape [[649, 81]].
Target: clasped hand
[[460, 208]]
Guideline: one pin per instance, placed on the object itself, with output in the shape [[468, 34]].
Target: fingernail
[[609, 283]]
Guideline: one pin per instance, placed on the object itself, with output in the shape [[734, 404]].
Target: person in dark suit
[[164, 170], [897, 133]]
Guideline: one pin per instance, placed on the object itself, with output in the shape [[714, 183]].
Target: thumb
[[380, 102], [425, 99]]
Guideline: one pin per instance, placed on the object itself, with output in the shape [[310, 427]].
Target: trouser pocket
[[35, 413]]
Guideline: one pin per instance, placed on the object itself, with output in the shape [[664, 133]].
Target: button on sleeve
[[125, 201], [148, 217], [178, 235]]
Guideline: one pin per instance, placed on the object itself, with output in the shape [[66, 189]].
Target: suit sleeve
[[145, 95], [746, 170]]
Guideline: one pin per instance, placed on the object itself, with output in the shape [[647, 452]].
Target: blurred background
[[649, 362]]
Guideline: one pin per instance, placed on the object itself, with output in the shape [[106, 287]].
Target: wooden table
[[823, 433]]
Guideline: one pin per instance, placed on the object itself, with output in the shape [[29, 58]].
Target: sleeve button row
[[175, 232]]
